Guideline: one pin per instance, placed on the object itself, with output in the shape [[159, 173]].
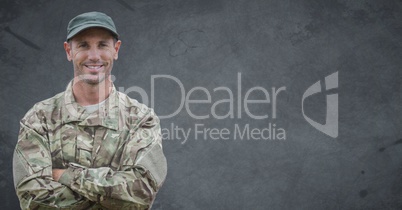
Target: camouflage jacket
[[113, 157]]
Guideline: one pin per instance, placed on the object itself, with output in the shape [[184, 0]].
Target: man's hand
[[56, 173]]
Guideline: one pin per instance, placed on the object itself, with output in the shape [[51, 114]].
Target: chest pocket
[[85, 143], [62, 142], [134, 142], [106, 144]]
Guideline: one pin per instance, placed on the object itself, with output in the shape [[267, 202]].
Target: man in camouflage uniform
[[89, 147]]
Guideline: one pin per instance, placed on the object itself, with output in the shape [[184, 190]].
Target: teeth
[[93, 67]]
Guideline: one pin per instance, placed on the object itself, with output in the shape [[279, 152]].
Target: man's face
[[92, 52]]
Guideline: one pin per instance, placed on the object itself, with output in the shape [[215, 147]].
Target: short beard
[[92, 82]]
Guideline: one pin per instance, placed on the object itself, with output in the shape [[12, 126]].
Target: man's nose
[[94, 54]]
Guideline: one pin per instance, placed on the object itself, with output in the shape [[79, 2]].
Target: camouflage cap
[[89, 20]]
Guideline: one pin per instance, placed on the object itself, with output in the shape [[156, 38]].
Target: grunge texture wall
[[214, 69]]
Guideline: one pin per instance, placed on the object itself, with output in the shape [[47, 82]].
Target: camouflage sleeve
[[32, 169], [141, 172]]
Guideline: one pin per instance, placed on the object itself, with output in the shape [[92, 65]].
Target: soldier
[[89, 147]]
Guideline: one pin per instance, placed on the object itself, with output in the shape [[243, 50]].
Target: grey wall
[[290, 44]]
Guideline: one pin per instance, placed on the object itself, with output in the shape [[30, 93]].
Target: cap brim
[[81, 28]]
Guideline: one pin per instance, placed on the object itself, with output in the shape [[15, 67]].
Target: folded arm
[[135, 183], [32, 168]]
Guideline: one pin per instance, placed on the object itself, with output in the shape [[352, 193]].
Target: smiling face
[[92, 52]]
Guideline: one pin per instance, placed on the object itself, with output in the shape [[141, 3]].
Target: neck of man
[[88, 94]]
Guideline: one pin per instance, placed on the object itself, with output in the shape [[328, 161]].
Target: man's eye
[[82, 45]]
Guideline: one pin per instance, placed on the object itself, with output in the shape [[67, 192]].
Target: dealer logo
[[331, 122]]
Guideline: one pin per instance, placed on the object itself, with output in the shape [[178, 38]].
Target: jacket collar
[[106, 116]]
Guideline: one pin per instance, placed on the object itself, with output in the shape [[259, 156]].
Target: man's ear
[[67, 48], [117, 48]]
